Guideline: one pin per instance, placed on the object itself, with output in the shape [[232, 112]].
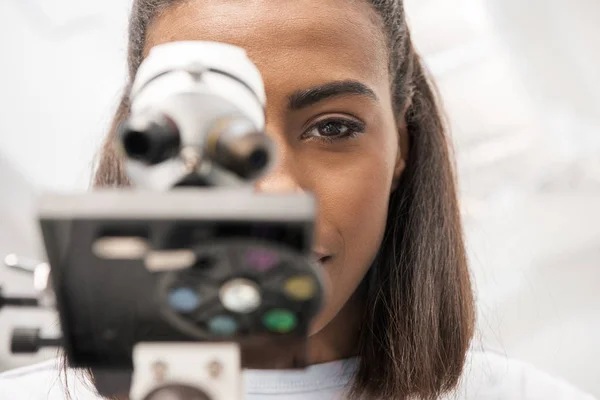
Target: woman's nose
[[280, 179]]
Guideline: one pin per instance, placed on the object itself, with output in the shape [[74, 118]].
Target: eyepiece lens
[[136, 144], [258, 159]]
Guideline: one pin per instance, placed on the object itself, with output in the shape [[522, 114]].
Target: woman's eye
[[334, 129]]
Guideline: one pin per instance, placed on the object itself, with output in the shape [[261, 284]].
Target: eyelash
[[355, 128]]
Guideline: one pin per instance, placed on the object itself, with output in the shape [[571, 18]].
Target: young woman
[[367, 138]]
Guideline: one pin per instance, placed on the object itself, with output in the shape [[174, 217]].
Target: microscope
[[167, 289]]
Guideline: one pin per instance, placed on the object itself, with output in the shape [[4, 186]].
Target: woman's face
[[329, 110]]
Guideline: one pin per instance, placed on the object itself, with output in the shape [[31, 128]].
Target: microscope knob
[[25, 340], [28, 340]]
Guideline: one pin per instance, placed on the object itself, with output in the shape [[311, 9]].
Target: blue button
[[184, 300], [223, 325]]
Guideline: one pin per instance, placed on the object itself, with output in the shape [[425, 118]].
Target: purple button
[[261, 260]]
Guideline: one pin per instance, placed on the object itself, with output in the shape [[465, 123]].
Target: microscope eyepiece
[[150, 138], [237, 146]]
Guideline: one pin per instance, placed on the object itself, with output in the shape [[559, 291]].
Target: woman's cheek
[[354, 199], [365, 189]]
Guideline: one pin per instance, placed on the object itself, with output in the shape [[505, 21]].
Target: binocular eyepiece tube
[[232, 144], [197, 108]]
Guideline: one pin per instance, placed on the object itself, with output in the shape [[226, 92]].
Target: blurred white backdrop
[[521, 86]]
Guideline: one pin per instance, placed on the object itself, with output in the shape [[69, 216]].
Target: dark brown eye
[[334, 129]]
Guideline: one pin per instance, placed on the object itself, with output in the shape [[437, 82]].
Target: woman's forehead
[[308, 40]]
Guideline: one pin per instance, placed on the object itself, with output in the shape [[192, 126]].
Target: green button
[[280, 321]]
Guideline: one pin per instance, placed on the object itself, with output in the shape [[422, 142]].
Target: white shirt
[[487, 376]]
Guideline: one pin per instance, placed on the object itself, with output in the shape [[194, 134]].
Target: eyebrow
[[307, 97]]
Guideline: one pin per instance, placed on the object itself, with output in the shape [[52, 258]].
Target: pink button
[[261, 260]]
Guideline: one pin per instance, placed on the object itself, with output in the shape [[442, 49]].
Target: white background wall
[[61, 72], [519, 80]]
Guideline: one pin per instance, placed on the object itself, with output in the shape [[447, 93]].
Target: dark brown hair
[[419, 313]]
